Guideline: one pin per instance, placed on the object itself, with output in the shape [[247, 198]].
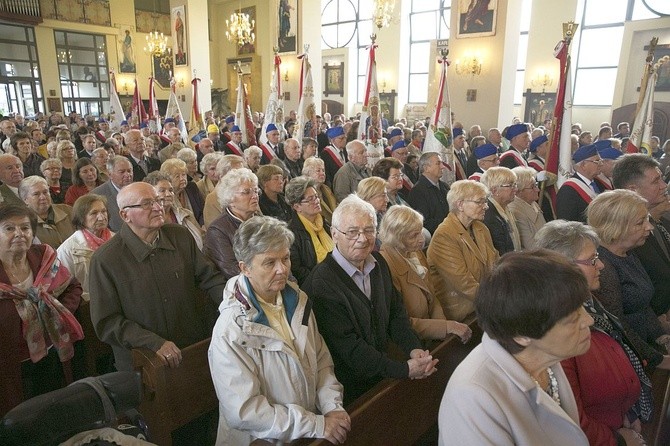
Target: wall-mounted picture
[[539, 107], [663, 82], [127, 62], [287, 16], [334, 76], [180, 46], [477, 18], [248, 48], [163, 70]]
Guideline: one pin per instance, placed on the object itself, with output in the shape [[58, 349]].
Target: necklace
[[552, 388], [20, 274]]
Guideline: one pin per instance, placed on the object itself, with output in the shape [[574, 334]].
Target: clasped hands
[[421, 364]]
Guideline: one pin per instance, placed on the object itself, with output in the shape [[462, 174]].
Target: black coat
[[138, 173], [303, 254], [430, 201], [657, 264], [356, 329], [569, 204], [499, 229]]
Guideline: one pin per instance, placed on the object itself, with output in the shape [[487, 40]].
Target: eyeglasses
[[395, 177], [592, 261], [255, 191], [353, 234], [147, 204], [512, 185], [598, 161], [311, 199], [534, 185], [480, 202]]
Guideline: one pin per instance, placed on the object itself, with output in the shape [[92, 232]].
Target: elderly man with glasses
[[144, 282], [578, 191], [358, 309]]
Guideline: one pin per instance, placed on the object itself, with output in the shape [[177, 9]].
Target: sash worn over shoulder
[[268, 152], [477, 176], [536, 164], [604, 182], [516, 155], [581, 188], [236, 150], [330, 150]]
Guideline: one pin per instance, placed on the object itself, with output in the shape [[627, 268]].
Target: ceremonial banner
[[195, 123], [154, 114], [243, 114], [173, 111], [306, 116], [137, 113], [116, 112], [641, 133], [274, 110]]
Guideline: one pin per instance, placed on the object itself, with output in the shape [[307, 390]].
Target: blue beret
[[485, 150], [456, 132], [271, 128], [102, 120], [237, 128], [230, 119], [398, 145], [537, 142], [334, 132], [395, 132], [168, 120], [515, 130], [610, 153], [584, 152], [124, 122], [144, 125], [602, 144]]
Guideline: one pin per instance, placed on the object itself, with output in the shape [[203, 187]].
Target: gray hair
[[352, 145], [209, 159], [464, 190], [98, 150], [425, 158], [295, 189], [226, 163], [27, 183], [494, 177], [312, 164], [525, 176], [259, 235], [187, 155], [116, 159], [227, 186], [396, 222], [253, 149], [565, 237], [352, 205], [50, 162], [154, 177]]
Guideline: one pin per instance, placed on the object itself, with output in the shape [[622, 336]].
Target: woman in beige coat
[[402, 247], [461, 250]]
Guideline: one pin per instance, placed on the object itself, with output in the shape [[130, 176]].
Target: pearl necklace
[[552, 389]]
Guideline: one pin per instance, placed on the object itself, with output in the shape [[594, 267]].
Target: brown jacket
[[425, 312], [457, 264]]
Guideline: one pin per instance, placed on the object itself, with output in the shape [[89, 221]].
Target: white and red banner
[[643, 126], [559, 161], [154, 114], [116, 114], [137, 113], [371, 118], [196, 123], [243, 117], [174, 111], [274, 110], [306, 108]]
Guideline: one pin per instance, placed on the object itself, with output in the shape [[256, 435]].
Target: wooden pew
[[401, 412], [657, 431], [95, 351], [173, 397]]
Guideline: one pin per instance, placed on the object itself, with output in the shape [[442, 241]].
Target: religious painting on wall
[[248, 48], [334, 76], [126, 44], [663, 81], [180, 46], [477, 18], [539, 107], [287, 26]]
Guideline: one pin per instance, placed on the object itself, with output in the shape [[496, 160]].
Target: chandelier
[[157, 44], [383, 13], [240, 29]]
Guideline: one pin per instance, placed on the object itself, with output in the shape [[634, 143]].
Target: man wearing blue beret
[[578, 191], [519, 138], [333, 155], [487, 156]]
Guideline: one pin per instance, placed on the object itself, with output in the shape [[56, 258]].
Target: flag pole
[[648, 67]]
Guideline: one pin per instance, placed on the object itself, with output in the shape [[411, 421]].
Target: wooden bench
[[657, 431], [401, 412], [172, 398]]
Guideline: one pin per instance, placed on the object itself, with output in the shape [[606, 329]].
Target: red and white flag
[[274, 110], [137, 113], [643, 126], [154, 114], [174, 111], [371, 117], [116, 110], [243, 117], [306, 114], [439, 135], [559, 161]]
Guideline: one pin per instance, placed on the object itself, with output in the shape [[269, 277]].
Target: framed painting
[[163, 70], [126, 44], [179, 36], [334, 76], [287, 26], [476, 18], [539, 107], [663, 81], [248, 48]]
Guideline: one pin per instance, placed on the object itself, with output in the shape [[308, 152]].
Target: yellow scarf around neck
[[321, 240]]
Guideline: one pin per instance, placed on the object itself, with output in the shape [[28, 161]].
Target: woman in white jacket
[[272, 370], [89, 219]]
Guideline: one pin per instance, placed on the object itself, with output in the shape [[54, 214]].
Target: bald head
[[140, 208], [134, 193]]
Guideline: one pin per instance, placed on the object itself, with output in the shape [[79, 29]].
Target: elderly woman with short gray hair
[[315, 169], [238, 197], [312, 233], [261, 306], [53, 220], [526, 211], [186, 192], [52, 170], [501, 181], [212, 205], [210, 175]]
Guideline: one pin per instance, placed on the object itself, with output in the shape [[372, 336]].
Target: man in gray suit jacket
[[353, 171], [120, 175], [11, 174]]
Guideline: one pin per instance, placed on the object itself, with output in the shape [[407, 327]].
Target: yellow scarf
[[322, 242]]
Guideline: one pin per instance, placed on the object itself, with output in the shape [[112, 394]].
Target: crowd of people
[[332, 270]]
